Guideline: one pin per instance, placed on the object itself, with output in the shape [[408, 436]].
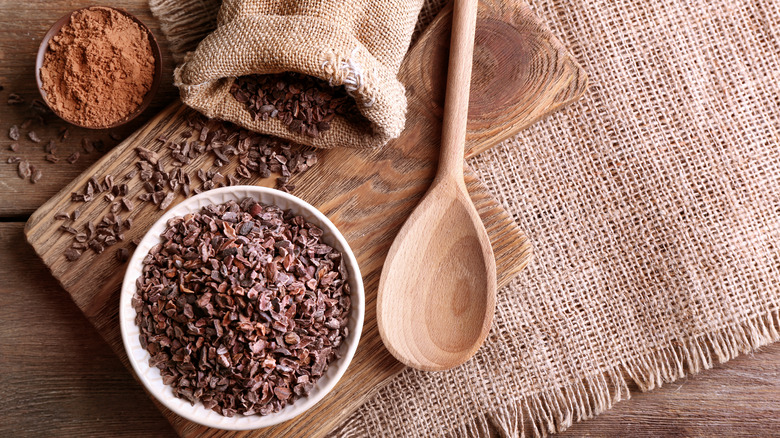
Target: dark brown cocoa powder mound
[[242, 307]]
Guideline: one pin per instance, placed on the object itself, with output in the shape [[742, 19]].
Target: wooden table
[[58, 377]]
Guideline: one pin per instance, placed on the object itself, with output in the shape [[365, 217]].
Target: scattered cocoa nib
[[116, 206], [167, 200], [96, 246], [305, 104], [50, 147], [72, 254], [87, 145], [15, 99], [36, 176], [24, 170], [64, 133], [33, 136], [13, 133], [14, 147], [147, 155], [13, 160], [68, 229], [128, 204], [242, 307], [73, 158], [39, 107], [108, 231], [122, 254], [115, 136], [255, 155], [28, 122]]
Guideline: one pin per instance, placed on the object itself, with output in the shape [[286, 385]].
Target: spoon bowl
[[437, 295]]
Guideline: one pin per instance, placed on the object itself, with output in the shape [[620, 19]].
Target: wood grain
[[367, 194], [58, 376], [24, 25], [80, 388], [521, 72], [738, 399]]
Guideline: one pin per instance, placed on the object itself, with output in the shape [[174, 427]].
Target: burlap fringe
[[185, 22], [556, 410]]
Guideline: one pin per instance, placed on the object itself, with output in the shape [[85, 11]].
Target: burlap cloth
[[653, 205]]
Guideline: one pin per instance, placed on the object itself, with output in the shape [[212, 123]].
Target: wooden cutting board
[[521, 73]]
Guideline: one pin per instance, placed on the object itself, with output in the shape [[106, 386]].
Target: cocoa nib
[[122, 254], [36, 176], [15, 99], [33, 136], [72, 254], [24, 169]]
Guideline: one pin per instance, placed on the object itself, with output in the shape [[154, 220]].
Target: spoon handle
[[456, 101]]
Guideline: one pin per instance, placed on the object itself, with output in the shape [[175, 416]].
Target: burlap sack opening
[[358, 44]]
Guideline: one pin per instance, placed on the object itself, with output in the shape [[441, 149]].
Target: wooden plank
[[367, 194], [24, 24], [58, 376], [81, 388], [738, 399]]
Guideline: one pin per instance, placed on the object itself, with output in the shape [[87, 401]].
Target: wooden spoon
[[437, 292]]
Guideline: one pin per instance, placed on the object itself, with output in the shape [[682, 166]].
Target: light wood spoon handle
[[456, 101]]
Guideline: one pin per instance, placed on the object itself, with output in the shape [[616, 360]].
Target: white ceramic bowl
[[139, 357]]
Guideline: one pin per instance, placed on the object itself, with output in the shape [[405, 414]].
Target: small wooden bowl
[[155, 53]]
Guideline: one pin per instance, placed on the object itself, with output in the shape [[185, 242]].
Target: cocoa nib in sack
[[304, 104], [242, 307]]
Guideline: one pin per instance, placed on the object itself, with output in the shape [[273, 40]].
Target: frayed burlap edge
[[555, 410]]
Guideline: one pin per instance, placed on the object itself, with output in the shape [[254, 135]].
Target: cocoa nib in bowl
[[241, 307]]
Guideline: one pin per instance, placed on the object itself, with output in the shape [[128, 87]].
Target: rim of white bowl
[[139, 357]]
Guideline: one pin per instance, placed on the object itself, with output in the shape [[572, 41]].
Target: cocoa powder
[[98, 68]]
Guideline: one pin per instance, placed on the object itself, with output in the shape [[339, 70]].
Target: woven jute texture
[[357, 44], [654, 208]]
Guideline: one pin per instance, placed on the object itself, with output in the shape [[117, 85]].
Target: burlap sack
[[358, 44]]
